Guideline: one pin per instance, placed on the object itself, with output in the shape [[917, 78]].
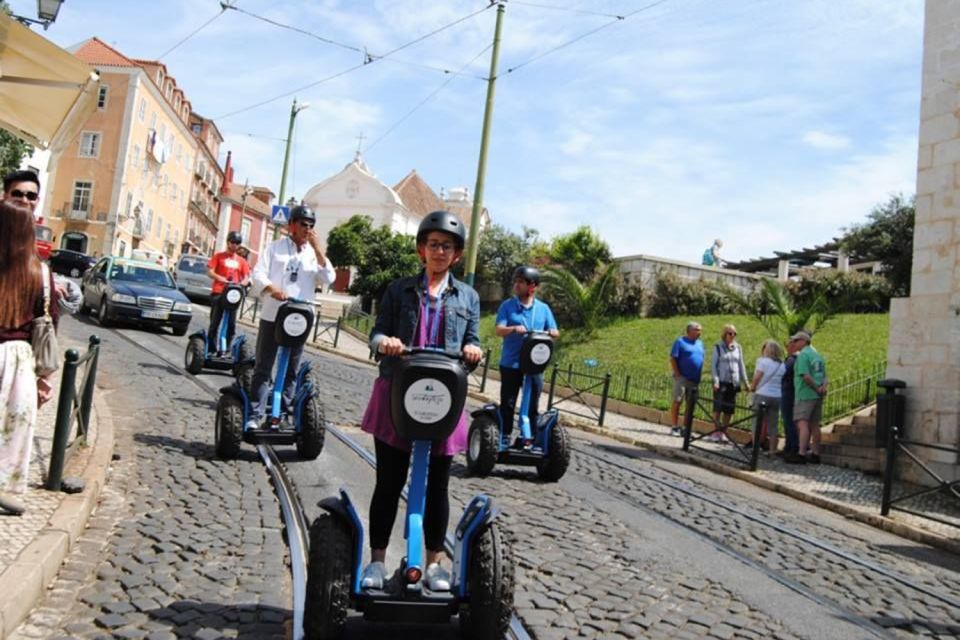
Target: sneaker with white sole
[[252, 424], [438, 578], [676, 431], [373, 576]]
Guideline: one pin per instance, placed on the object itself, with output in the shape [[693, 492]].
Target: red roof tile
[[417, 195], [97, 52]]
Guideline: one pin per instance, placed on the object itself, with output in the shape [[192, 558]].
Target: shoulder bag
[[46, 350]]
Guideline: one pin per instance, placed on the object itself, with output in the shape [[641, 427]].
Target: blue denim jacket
[[400, 310]]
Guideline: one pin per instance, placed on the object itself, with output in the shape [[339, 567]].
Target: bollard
[[553, 384], [486, 368], [603, 398], [61, 430], [336, 336], [626, 389], [690, 398], [86, 399], [888, 470]]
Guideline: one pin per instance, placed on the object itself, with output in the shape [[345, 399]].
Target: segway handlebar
[[453, 355]]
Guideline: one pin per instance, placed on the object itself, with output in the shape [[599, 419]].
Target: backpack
[[708, 257]]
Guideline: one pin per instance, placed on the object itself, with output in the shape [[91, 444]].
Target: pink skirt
[[378, 422]]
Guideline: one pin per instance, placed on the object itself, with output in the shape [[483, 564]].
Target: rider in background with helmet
[[515, 318], [431, 309], [223, 268], [292, 267]]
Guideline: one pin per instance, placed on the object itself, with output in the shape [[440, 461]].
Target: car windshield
[[192, 266], [43, 233], [126, 272]]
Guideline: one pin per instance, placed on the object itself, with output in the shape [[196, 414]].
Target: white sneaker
[[676, 431], [438, 578], [373, 576], [252, 424]]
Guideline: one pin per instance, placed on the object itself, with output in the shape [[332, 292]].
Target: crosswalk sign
[[280, 214]]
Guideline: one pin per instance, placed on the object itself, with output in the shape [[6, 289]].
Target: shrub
[[850, 292], [674, 296]]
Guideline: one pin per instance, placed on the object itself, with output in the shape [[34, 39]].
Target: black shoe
[[794, 458], [813, 458]]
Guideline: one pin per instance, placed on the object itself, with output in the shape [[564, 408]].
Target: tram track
[[294, 517], [867, 624]]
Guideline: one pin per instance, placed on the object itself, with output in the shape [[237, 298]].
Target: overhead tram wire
[[427, 99], [368, 60], [567, 9], [223, 8], [566, 44]]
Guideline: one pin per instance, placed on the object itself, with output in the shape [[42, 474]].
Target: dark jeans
[[266, 354], [511, 382], [392, 466], [216, 312], [792, 445]]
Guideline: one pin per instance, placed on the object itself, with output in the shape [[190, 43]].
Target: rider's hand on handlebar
[[278, 294], [391, 347], [472, 354], [519, 329]]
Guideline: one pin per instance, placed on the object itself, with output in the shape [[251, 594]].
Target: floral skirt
[[18, 417], [378, 422]]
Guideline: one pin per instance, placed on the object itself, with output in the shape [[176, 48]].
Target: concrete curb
[[24, 582], [888, 524]]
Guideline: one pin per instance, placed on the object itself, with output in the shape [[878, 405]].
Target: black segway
[[428, 393], [544, 445], [303, 422]]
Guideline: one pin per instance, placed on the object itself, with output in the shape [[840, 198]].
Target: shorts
[[681, 386], [725, 398], [771, 415], [808, 410]]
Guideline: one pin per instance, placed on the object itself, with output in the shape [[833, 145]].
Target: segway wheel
[[193, 359], [490, 587], [243, 371], [229, 431], [555, 464], [328, 578], [313, 431], [482, 445]]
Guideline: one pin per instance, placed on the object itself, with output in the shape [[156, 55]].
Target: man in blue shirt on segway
[[516, 317]]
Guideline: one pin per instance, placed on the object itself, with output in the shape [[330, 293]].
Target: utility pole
[[294, 110], [482, 165]]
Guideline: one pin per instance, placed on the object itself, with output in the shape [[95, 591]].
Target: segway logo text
[[427, 401]]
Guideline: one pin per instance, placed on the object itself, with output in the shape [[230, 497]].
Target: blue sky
[[770, 124]]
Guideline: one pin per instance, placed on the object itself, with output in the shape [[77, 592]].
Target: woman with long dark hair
[[21, 290]]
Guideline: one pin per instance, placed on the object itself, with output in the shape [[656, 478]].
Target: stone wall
[[924, 347], [646, 269]]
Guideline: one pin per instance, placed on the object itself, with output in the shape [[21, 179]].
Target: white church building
[[357, 191]]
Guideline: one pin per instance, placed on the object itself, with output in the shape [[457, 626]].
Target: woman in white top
[[766, 387]]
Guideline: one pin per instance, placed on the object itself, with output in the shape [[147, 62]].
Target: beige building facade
[[924, 348], [124, 183]]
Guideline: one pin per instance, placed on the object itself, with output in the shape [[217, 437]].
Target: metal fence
[[897, 445], [700, 407], [73, 406], [575, 384]]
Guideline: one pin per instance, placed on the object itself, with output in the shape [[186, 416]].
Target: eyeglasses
[[306, 223], [29, 195], [233, 242], [435, 246], [730, 333]]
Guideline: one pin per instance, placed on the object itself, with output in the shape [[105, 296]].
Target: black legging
[[392, 465]]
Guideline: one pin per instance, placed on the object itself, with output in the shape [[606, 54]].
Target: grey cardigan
[[727, 364]]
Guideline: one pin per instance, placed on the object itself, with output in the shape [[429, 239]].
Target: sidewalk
[[33, 545], [849, 492]]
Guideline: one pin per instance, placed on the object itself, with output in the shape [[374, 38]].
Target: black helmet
[[442, 221], [234, 236], [302, 212], [530, 274]]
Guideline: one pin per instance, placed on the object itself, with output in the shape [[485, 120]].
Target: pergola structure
[[783, 264]]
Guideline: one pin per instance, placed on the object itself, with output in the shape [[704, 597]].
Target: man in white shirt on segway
[[292, 267]]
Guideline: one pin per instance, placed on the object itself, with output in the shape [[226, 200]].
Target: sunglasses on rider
[[29, 195], [305, 223]]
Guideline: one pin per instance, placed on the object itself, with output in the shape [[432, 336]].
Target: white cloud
[[826, 141]]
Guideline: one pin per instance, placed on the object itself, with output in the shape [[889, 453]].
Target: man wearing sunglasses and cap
[[292, 267]]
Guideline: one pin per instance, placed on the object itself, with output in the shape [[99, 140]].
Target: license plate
[[155, 315]]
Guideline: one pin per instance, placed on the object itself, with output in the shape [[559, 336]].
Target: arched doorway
[[74, 241]]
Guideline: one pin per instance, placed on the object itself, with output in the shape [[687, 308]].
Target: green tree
[[776, 310], [347, 242], [582, 306], [500, 252], [389, 256], [887, 236], [582, 252], [12, 152]]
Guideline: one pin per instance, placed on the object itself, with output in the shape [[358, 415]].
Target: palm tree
[[587, 304], [774, 308]]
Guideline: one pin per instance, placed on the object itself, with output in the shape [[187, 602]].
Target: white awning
[[46, 93]]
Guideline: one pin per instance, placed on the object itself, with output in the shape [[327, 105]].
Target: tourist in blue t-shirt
[[515, 317], [686, 362]]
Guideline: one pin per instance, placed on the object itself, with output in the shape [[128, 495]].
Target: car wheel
[[74, 272], [103, 314]]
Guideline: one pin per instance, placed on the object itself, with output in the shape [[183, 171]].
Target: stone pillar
[[924, 348], [783, 270], [843, 261]]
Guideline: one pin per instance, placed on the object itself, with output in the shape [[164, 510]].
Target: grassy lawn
[[852, 344]]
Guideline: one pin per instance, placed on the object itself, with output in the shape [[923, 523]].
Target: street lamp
[[47, 11], [294, 110]]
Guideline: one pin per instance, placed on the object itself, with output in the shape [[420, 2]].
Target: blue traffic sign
[[280, 214]]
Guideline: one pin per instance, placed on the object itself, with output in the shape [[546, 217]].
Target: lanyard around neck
[[523, 314], [432, 328]]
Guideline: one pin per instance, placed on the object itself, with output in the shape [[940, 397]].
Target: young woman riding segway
[[424, 324]]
